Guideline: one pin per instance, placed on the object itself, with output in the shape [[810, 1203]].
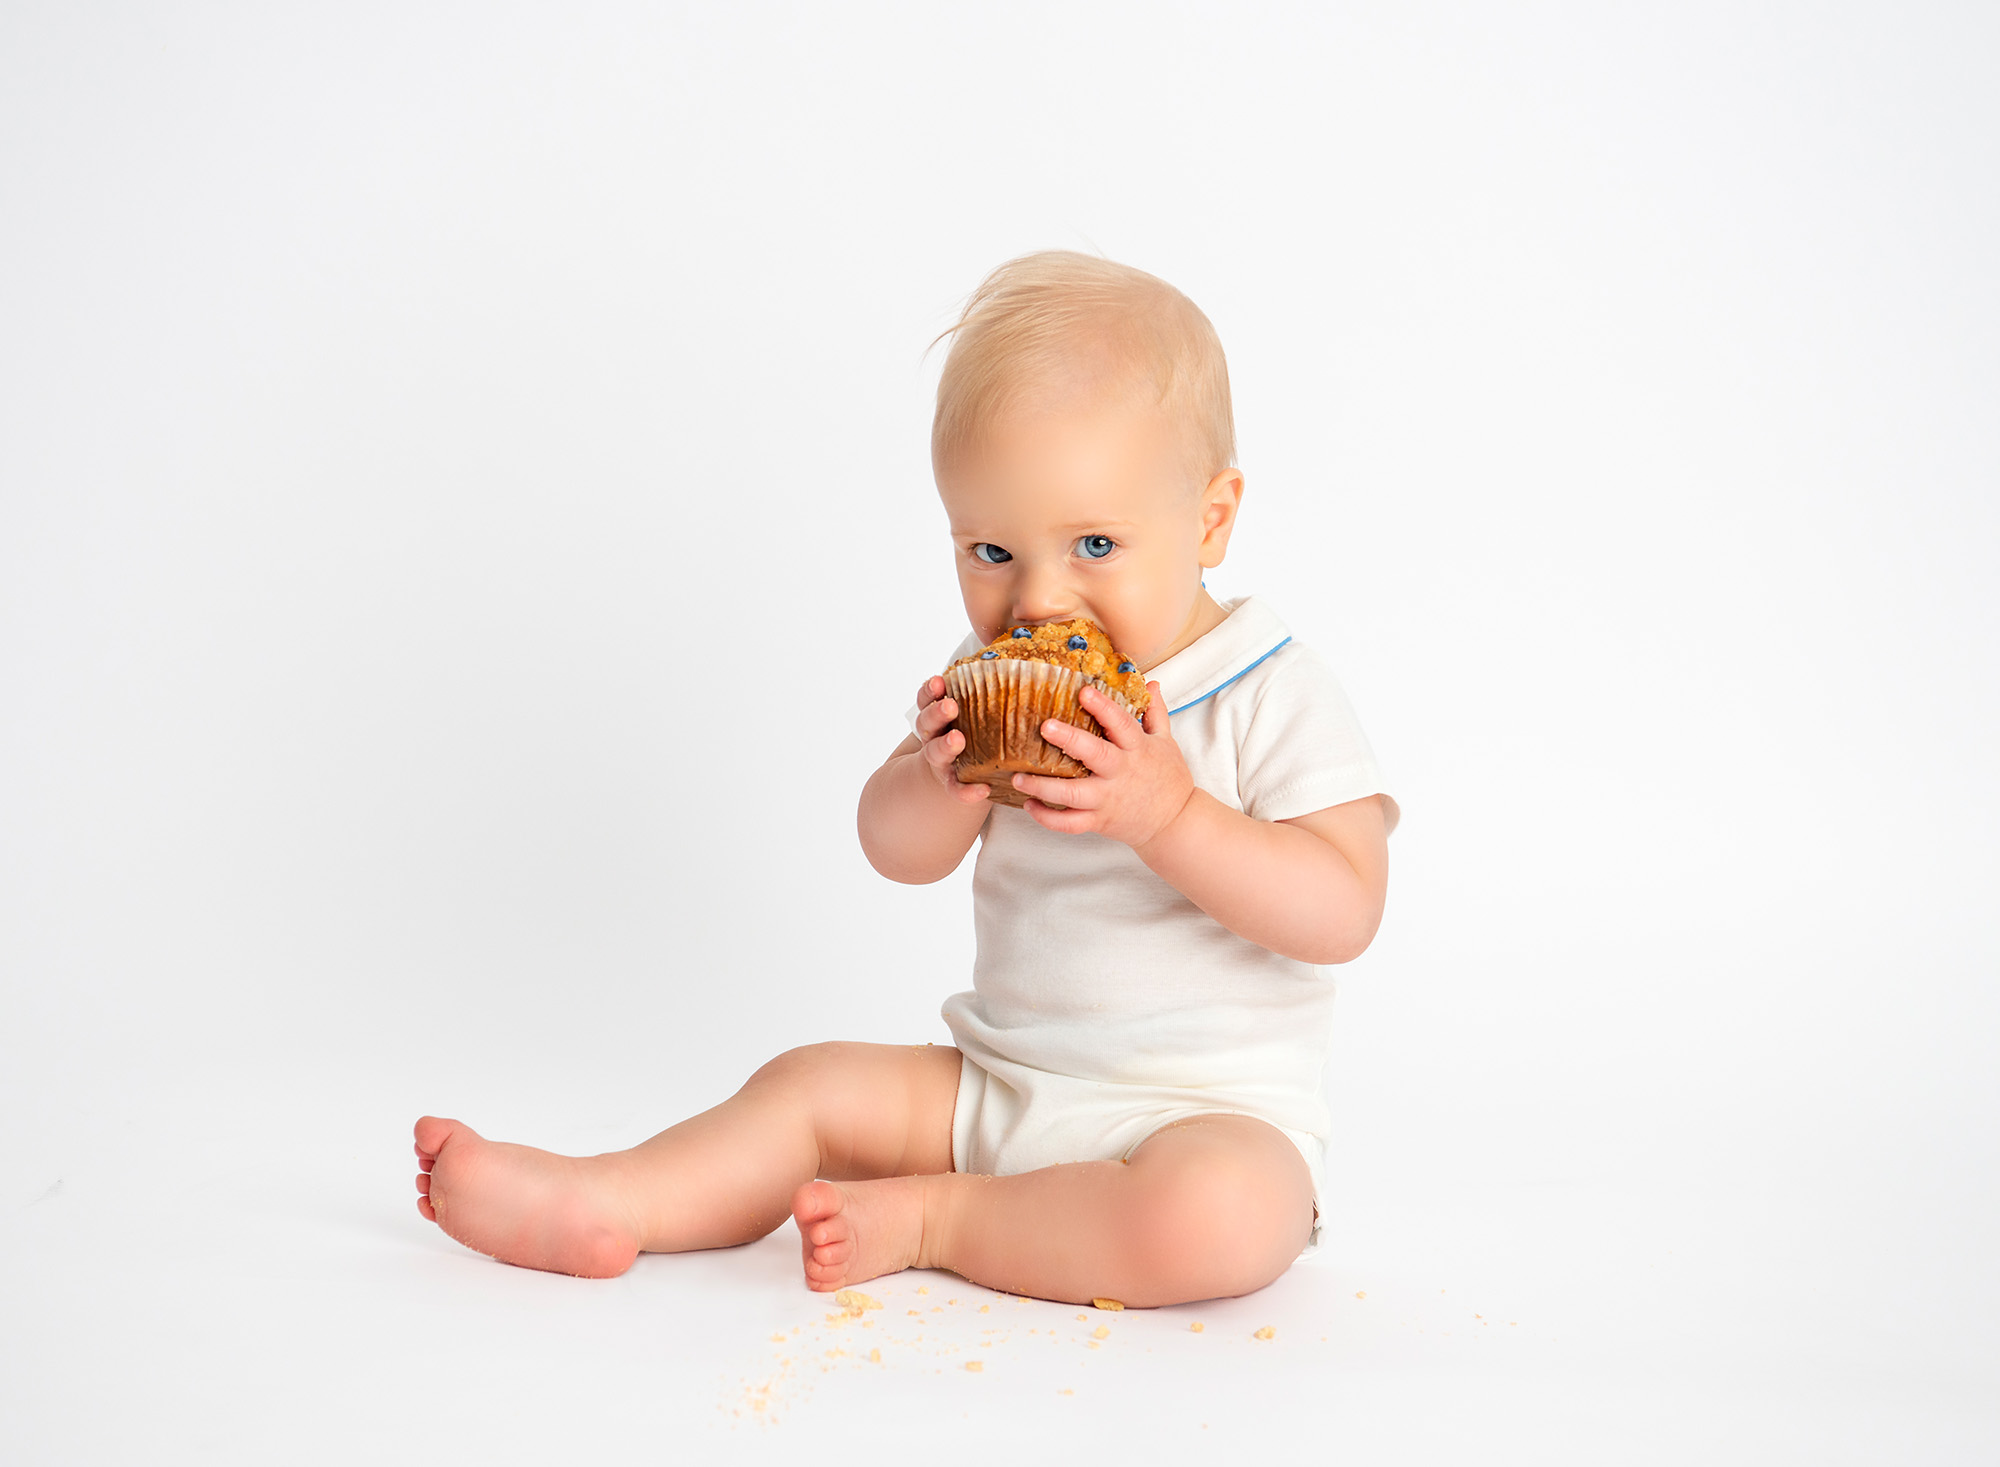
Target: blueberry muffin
[[1025, 676]]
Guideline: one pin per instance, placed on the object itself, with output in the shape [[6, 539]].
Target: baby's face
[[1063, 512]]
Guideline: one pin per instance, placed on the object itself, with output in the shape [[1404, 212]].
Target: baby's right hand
[[939, 746]]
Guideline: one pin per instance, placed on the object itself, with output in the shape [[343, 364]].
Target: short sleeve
[[1303, 749], [966, 648]]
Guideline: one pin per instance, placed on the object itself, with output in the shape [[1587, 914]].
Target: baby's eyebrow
[[1071, 529]]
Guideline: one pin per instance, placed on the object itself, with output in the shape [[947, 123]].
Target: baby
[[1132, 1107]]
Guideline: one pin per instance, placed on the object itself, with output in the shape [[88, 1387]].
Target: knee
[[1220, 1230], [798, 1069]]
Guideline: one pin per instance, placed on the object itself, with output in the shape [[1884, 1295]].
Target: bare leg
[[726, 1176], [1206, 1208]]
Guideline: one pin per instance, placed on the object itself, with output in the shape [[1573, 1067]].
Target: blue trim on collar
[[1177, 712]]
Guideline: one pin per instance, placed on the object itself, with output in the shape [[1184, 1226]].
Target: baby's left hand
[[1138, 781]]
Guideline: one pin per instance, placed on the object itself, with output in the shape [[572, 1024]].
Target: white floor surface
[[211, 1286]]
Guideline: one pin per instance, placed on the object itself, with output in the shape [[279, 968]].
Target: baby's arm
[[1311, 888], [916, 820]]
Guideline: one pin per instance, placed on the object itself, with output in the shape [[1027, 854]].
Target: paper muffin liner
[[1002, 706]]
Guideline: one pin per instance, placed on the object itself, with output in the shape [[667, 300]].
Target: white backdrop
[[466, 533]]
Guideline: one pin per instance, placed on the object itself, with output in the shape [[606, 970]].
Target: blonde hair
[[1049, 318]]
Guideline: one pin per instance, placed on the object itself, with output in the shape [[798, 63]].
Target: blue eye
[[1095, 547], [991, 554]]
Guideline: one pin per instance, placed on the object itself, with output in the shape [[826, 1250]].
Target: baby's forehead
[[1054, 475], [1096, 403]]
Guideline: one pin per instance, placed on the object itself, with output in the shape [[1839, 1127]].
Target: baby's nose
[[1038, 599]]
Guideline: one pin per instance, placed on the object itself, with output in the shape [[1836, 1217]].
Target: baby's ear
[[1220, 500]]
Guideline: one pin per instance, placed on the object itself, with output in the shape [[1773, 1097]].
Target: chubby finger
[[1119, 726], [1076, 794], [930, 692], [1156, 710], [935, 716], [1066, 822], [1081, 745], [945, 748]]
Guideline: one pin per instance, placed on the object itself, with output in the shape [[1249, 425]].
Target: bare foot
[[850, 1232], [520, 1205]]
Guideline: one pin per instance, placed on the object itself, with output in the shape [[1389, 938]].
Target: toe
[[828, 1264], [432, 1132], [813, 1201]]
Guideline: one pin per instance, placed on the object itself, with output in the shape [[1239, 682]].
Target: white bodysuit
[[1105, 1004]]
